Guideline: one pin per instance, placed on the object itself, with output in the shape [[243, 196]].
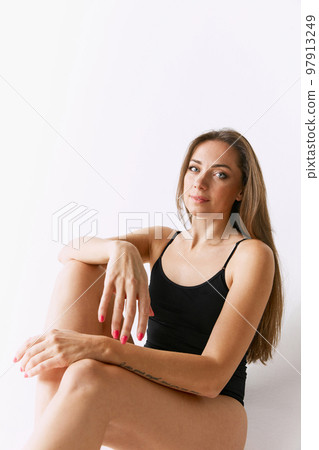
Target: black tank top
[[185, 316]]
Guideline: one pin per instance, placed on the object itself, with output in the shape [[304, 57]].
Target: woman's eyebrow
[[213, 165]]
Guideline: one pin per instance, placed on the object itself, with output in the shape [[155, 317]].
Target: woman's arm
[[182, 371], [95, 251], [61, 348], [125, 276]]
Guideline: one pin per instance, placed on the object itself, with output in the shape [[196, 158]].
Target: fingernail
[[21, 369], [15, 359], [25, 375], [140, 336], [115, 334], [123, 339], [101, 319]]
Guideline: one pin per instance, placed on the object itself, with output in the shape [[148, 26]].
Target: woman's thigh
[[142, 414]]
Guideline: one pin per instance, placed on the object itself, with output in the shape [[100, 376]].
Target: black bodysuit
[[185, 316]]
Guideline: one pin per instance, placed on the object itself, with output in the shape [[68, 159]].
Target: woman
[[185, 388]]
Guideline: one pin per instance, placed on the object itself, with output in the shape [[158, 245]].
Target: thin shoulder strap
[[234, 249], [169, 242]]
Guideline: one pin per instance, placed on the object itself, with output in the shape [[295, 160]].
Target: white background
[[99, 101]]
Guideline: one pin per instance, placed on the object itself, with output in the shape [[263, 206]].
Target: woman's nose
[[201, 181]]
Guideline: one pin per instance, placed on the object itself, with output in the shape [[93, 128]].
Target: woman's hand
[[127, 278], [54, 349]]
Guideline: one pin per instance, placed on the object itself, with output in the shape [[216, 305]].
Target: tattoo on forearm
[[156, 379]]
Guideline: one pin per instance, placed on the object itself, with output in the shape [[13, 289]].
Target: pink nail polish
[[123, 339], [26, 375], [116, 334], [140, 336], [102, 319], [21, 369], [15, 359]]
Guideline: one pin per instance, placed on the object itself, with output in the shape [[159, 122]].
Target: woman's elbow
[[211, 392], [209, 389]]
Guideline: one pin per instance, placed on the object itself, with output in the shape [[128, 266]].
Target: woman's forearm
[[94, 251], [182, 371]]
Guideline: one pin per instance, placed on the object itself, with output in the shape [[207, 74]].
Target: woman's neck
[[208, 230]]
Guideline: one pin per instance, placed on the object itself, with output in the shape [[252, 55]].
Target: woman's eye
[[223, 175], [220, 175]]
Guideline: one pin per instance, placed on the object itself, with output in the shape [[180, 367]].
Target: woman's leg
[[76, 417], [100, 403], [74, 306]]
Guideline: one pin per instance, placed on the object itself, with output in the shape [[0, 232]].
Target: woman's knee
[[87, 375], [52, 376], [86, 274], [78, 266]]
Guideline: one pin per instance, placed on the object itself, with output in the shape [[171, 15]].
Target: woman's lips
[[198, 199]]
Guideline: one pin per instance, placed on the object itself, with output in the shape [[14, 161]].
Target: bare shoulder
[[252, 256], [159, 234], [159, 237], [255, 248], [146, 240]]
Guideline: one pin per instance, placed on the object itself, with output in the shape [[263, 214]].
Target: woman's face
[[216, 177]]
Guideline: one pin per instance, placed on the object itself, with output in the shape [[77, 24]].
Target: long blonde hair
[[254, 214]]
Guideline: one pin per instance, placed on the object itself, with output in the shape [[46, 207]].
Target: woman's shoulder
[[254, 249], [159, 237], [253, 263]]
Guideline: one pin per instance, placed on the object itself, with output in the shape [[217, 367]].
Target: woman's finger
[[105, 300], [118, 309], [35, 360], [144, 311], [26, 345], [30, 353], [47, 364], [130, 310]]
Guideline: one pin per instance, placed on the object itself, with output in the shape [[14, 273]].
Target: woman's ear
[[240, 196]]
